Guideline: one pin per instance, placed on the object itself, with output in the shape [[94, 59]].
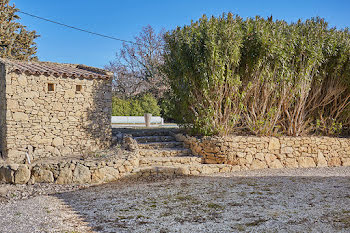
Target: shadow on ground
[[216, 204]]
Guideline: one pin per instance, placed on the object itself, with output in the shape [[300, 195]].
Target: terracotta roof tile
[[57, 69]]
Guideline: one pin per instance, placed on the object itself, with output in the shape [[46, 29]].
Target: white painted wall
[[136, 120]]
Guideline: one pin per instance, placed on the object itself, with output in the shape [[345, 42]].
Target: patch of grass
[[235, 204], [181, 198], [257, 192], [121, 217], [240, 227], [153, 206], [343, 220], [124, 210], [256, 222], [215, 206], [166, 214]]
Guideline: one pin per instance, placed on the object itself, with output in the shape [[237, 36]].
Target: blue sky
[[125, 19]]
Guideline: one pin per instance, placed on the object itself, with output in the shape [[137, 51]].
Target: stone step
[[164, 152], [197, 169], [144, 139], [157, 145], [145, 132], [169, 161]]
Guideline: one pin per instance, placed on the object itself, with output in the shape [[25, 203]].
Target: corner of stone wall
[[3, 109]]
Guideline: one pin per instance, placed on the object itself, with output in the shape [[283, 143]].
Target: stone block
[[56, 142], [81, 175], [274, 144], [258, 164], [20, 116], [306, 162], [334, 162], [22, 175], [106, 174], [291, 163], [321, 160], [7, 174], [276, 164], [65, 176], [41, 175]]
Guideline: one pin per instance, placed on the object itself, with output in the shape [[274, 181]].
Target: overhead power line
[[79, 29]]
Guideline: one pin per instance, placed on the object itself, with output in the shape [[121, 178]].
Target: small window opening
[[51, 87], [78, 88]]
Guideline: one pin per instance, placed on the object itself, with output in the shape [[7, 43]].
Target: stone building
[[50, 109]]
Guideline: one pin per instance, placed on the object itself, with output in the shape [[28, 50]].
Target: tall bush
[[259, 76]]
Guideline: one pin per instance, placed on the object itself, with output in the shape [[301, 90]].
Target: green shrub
[[259, 76], [135, 106]]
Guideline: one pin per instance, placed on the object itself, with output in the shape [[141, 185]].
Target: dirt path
[[289, 200]]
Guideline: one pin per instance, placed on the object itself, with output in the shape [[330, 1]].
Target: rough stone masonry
[[50, 109], [250, 152]]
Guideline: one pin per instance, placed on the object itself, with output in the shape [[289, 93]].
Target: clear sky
[[125, 19]]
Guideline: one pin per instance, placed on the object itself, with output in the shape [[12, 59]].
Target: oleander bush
[[259, 76]]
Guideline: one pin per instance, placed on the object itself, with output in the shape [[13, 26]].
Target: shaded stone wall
[[2, 110], [271, 152], [63, 122]]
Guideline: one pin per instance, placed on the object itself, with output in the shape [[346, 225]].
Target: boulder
[[81, 175], [42, 175], [7, 175], [106, 174], [22, 175], [65, 176]]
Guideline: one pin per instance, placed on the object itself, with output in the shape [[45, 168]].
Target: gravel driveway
[[287, 200]]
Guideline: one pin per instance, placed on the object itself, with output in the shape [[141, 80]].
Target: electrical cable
[[79, 29]]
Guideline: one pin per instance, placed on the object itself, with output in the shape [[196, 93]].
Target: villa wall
[[63, 122], [271, 152]]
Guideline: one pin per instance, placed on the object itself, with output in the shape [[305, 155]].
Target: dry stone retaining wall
[[63, 122], [69, 171], [270, 152]]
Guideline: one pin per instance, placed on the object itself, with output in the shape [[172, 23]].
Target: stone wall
[[2, 109], [68, 171], [63, 122], [271, 152]]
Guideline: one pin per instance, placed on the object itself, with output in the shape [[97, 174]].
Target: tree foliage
[[265, 77], [15, 40], [137, 66]]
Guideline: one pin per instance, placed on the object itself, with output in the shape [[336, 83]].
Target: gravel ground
[[287, 200]]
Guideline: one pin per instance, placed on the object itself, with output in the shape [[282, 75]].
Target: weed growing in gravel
[[256, 222], [240, 227], [215, 206]]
